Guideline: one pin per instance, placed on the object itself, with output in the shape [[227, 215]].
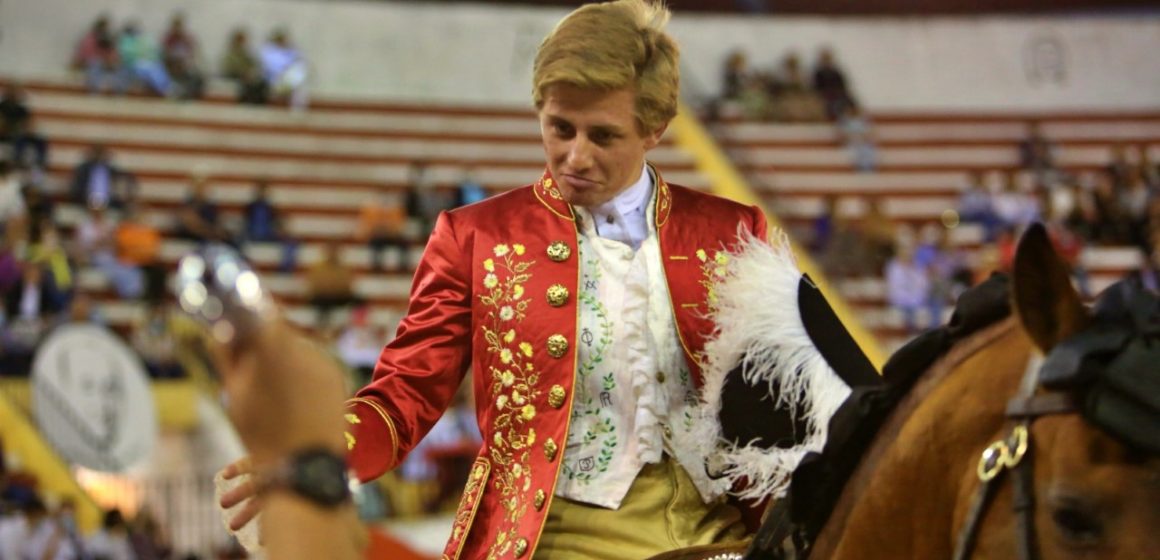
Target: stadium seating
[[323, 163]]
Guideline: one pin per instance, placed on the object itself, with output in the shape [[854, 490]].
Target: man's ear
[[653, 139]]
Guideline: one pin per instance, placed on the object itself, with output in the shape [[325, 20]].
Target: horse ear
[[1043, 298]]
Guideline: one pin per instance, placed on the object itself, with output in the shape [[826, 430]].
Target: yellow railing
[[728, 182]]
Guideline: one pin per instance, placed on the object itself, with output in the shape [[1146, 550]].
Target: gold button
[[557, 345], [557, 295], [660, 377], [541, 497], [550, 449], [559, 251], [521, 546], [556, 396], [668, 432]]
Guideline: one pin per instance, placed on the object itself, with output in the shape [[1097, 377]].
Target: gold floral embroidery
[[712, 270], [513, 389], [467, 508]]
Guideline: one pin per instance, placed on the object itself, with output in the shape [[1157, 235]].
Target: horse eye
[[1078, 526]]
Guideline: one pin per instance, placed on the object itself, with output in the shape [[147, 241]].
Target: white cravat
[[623, 218]]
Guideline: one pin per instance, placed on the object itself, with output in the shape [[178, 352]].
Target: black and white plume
[[761, 341]]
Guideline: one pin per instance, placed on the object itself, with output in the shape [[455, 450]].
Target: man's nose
[[580, 154]]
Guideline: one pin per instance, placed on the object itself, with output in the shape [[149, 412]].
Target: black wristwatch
[[319, 475]]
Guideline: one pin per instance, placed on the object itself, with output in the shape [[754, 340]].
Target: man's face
[[592, 142]]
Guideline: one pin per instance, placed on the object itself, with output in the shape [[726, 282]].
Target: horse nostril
[[1077, 526]]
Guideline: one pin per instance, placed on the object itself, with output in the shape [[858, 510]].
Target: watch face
[[321, 477]]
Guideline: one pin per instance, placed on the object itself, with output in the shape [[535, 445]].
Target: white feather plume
[[758, 323]]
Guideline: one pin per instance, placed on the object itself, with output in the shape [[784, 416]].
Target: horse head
[[1096, 470]]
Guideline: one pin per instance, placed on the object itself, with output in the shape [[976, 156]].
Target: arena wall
[[471, 53]]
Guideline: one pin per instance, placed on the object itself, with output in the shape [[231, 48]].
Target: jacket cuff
[[372, 442]]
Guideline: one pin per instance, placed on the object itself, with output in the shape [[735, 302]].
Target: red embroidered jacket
[[495, 292]]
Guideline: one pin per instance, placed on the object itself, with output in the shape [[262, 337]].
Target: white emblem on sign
[[92, 400]]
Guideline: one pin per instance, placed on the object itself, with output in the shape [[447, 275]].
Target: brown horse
[[912, 493]]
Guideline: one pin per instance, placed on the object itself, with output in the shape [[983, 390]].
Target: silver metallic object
[[216, 286]]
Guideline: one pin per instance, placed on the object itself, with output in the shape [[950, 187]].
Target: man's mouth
[[580, 183]]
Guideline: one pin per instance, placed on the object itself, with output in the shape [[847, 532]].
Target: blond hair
[[611, 46]]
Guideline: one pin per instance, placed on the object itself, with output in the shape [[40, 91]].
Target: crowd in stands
[[1118, 205], [118, 61], [33, 527], [785, 93]]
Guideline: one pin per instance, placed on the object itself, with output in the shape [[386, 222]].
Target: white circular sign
[[92, 400]]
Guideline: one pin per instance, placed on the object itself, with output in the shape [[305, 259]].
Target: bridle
[[1014, 454]]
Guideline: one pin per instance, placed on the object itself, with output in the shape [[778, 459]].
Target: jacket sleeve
[[419, 371]]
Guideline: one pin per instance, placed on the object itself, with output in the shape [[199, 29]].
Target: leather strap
[[979, 504], [1041, 405], [1023, 504]]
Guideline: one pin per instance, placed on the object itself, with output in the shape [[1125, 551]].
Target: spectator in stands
[[1134, 200], [907, 286], [111, 541], [138, 251], [47, 250], [83, 310], [13, 212], [830, 83], [27, 308], [359, 344], [735, 75], [330, 284], [17, 128], [1149, 168], [199, 219], [96, 244], [154, 340], [240, 65], [755, 100], [1110, 227], [858, 136], [1120, 169], [423, 202], [382, 225], [846, 253], [14, 527], [263, 223], [878, 236], [794, 101], [823, 226], [1036, 153], [150, 541], [97, 181], [93, 237], [285, 69], [182, 61], [40, 208], [469, 190], [48, 538], [976, 207], [1015, 204], [946, 269], [142, 61], [97, 56]]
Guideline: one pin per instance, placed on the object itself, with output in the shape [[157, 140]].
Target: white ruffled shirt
[[631, 371]]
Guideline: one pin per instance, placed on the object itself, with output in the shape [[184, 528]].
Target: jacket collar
[[549, 195]]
